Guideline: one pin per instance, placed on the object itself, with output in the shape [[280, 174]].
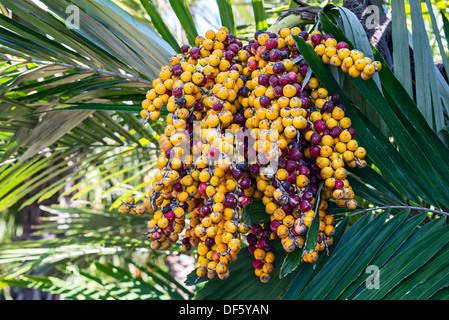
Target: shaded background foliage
[[72, 145]]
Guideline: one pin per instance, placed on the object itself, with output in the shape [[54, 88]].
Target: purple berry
[[263, 242], [294, 201], [236, 174], [229, 55], [334, 97], [234, 48], [278, 91], [245, 183], [195, 53], [316, 38], [274, 80], [275, 55], [256, 229], [209, 242], [263, 80], [314, 151], [239, 118], [293, 77], [303, 70], [217, 106], [278, 68], [305, 205], [170, 216], [284, 80], [177, 92], [352, 132], [251, 239], [291, 165], [319, 125], [328, 106], [315, 138], [257, 264], [291, 178], [339, 184], [264, 101], [342, 45], [304, 35], [335, 131], [274, 225], [177, 70], [271, 44], [177, 187], [295, 154], [185, 48]]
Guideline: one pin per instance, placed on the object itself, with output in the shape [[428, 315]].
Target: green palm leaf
[[70, 131], [385, 244]]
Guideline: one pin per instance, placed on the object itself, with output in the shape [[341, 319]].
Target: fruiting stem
[[243, 38], [399, 207], [73, 66]]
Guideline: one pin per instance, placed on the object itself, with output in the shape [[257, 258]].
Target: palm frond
[[379, 257], [51, 96], [70, 132], [105, 282]]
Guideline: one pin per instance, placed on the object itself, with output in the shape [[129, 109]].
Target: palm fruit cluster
[[339, 55], [248, 122]]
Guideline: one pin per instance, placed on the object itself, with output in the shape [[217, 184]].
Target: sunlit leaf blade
[[438, 37], [105, 36], [371, 244], [99, 107], [292, 261], [183, 13], [445, 23], [313, 231], [366, 192], [62, 122], [122, 284], [371, 241], [167, 276], [401, 49], [226, 15], [20, 30], [427, 94], [159, 24], [259, 15]]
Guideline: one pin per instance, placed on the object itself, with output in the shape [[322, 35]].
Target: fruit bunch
[[338, 54], [246, 123]]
